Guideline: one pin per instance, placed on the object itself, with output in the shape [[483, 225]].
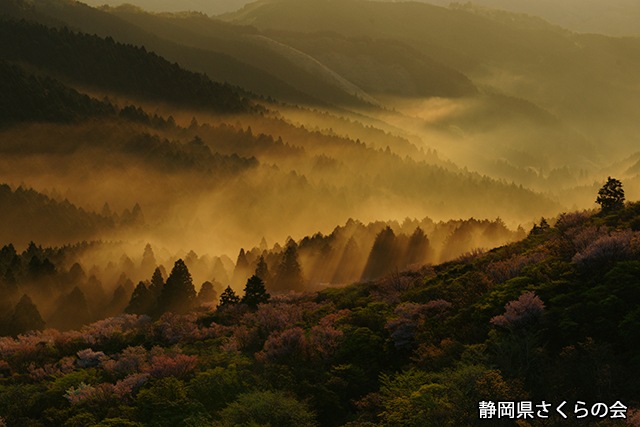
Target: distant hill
[[592, 81], [29, 98], [204, 6], [244, 43], [219, 67], [28, 215], [614, 17], [105, 64]]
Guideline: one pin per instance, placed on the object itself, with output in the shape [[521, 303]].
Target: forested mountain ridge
[[315, 161], [111, 66], [220, 67], [250, 45], [545, 66], [217, 64], [619, 17], [31, 216], [521, 322], [223, 258]]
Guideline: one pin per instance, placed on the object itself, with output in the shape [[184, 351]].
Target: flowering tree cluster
[[410, 318], [521, 313], [609, 249], [501, 271]]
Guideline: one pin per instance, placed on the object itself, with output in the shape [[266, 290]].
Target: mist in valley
[[346, 124]]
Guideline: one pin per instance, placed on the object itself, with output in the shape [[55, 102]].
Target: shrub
[[521, 313], [266, 408]]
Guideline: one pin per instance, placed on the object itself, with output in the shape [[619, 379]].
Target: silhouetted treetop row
[[108, 65], [31, 98]]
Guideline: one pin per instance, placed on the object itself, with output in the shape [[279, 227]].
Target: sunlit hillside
[[314, 213]]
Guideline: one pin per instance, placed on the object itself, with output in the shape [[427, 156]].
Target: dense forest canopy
[[316, 213]]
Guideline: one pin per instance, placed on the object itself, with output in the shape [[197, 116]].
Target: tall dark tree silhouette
[[142, 300], [178, 294], [289, 273], [9, 285], [207, 293], [611, 196], [242, 271], [26, 317], [228, 297], [383, 256], [262, 271], [157, 283], [255, 292], [148, 263], [417, 249]]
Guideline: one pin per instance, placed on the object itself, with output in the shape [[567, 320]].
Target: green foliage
[[229, 297], [215, 388], [255, 292], [266, 408], [611, 196], [178, 294], [81, 420], [288, 275], [117, 422], [142, 300], [166, 403], [30, 98]]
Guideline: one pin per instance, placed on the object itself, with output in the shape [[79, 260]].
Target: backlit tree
[[178, 294], [611, 196], [255, 292]]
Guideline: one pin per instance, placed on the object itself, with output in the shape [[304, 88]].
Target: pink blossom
[[501, 271], [521, 313], [276, 317], [171, 366], [130, 384], [286, 346], [80, 394], [324, 341], [104, 329], [618, 246], [570, 220], [132, 359], [411, 317], [331, 319], [88, 358]]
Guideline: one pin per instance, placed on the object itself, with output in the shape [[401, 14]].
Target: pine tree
[[157, 283], [383, 256], [228, 297], [289, 273], [207, 293], [26, 317], [262, 271], [142, 300], [241, 271], [418, 248], [148, 263], [178, 295], [255, 292], [611, 196]]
